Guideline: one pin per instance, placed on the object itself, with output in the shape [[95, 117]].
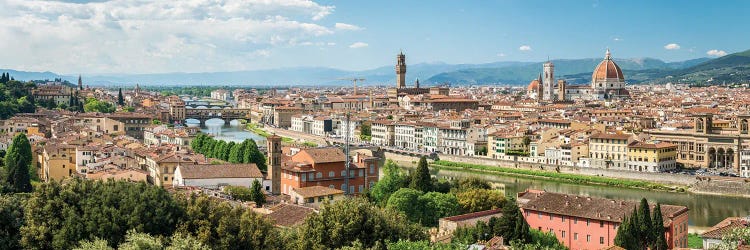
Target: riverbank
[[561, 177], [253, 127]]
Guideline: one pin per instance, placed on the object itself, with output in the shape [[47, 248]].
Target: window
[[601, 224], [352, 174], [319, 175], [588, 238], [351, 189], [343, 173], [343, 187], [361, 188], [551, 217], [601, 240], [372, 168], [562, 218], [539, 215], [331, 174], [575, 236], [311, 200], [303, 177], [311, 176], [575, 220], [588, 222], [562, 234]]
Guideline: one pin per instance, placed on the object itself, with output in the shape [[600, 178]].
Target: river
[[705, 210], [235, 131]]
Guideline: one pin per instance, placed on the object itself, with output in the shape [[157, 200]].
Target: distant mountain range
[[730, 68]]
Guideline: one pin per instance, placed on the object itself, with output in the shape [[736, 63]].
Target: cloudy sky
[[144, 36]]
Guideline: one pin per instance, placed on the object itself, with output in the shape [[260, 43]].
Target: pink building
[[581, 222]]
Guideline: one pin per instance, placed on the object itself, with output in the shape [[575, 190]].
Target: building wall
[[573, 232], [316, 201]]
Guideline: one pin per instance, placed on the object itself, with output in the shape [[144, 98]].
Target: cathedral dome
[[534, 86], [607, 69]]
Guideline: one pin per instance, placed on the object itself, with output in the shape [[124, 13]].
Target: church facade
[[607, 82]]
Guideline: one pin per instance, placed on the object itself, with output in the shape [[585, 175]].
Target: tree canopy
[[17, 176], [421, 179]]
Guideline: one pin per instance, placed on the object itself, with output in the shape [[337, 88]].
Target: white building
[[221, 94], [383, 133]]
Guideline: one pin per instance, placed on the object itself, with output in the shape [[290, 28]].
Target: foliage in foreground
[[344, 222]]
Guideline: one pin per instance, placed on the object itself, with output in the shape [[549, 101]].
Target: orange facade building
[[327, 167], [581, 222]]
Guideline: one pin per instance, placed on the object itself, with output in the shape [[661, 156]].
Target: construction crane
[[354, 80]]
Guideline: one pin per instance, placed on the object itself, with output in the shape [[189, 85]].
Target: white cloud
[[617, 39], [358, 45], [672, 46], [524, 48], [716, 53], [345, 26], [500, 54], [134, 36], [331, 44]]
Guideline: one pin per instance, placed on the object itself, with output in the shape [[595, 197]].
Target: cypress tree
[[17, 164], [421, 178], [235, 153], [512, 226], [120, 98], [660, 241], [227, 150], [644, 224], [256, 192], [625, 237]]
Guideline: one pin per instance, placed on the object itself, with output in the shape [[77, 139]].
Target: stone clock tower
[[401, 70]]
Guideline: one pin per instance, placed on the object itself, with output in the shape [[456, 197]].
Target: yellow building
[[161, 168], [58, 161], [652, 157]]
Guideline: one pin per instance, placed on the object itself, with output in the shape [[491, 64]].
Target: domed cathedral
[[607, 82]]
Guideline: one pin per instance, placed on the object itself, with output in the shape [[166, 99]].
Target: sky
[[144, 36]]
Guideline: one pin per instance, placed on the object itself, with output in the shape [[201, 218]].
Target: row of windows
[[331, 174], [575, 219]]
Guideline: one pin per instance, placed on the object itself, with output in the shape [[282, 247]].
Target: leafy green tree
[[645, 224], [393, 179], [421, 179], [365, 129], [59, 216], [422, 245], [734, 238], [185, 242], [660, 242], [472, 183], [120, 98], [96, 244], [11, 220], [236, 153], [239, 192], [17, 165], [406, 200], [253, 155], [475, 200], [140, 241], [355, 220], [94, 105], [437, 205], [257, 194]]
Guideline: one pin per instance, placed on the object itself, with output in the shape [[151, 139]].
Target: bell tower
[[549, 81], [274, 162], [400, 70]]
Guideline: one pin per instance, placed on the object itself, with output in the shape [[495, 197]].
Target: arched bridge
[[203, 114]]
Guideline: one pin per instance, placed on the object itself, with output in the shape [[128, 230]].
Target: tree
[[625, 237], [660, 242], [391, 182], [437, 205], [253, 155], [733, 239], [120, 98], [257, 194], [236, 153], [421, 178], [512, 225], [347, 221], [94, 105], [241, 193], [11, 220], [17, 164], [365, 129], [406, 200], [475, 200], [472, 183], [138, 241], [58, 216], [645, 225]]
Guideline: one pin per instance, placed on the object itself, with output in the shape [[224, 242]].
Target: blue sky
[[130, 36]]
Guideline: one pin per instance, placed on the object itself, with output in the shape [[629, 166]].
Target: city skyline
[[124, 36]]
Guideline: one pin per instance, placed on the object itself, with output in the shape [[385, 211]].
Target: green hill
[[577, 69]]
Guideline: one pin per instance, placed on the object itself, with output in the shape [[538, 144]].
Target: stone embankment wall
[[716, 185]]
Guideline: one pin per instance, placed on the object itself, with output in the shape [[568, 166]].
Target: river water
[[705, 210], [233, 132]]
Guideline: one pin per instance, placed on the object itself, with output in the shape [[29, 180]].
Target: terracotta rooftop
[[725, 226], [289, 215], [323, 155], [588, 207], [316, 191], [220, 171], [469, 216]]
